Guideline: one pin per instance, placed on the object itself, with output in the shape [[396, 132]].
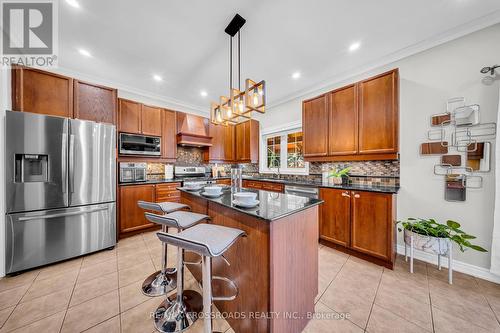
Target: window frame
[[283, 132]]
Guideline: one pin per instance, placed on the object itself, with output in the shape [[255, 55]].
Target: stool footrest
[[229, 282]]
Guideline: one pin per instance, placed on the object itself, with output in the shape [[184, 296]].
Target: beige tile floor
[[101, 293]]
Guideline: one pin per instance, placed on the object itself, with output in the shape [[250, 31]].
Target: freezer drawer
[[40, 238]]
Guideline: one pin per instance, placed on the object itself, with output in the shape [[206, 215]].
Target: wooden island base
[[275, 268]]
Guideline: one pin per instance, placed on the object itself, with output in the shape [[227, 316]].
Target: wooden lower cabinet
[[335, 216], [262, 185], [131, 217], [226, 181], [360, 223]]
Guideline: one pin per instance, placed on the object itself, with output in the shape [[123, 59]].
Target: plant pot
[[336, 180], [428, 243]]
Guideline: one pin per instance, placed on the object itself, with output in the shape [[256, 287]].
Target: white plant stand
[[429, 244]]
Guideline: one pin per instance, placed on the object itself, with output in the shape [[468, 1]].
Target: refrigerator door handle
[[71, 163], [51, 216], [64, 168]]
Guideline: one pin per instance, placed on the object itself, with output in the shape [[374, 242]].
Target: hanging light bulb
[[255, 96], [240, 105], [218, 117], [229, 113]]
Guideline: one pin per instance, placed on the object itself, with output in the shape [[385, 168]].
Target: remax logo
[[29, 29]]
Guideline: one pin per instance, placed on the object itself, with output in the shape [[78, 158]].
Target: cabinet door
[[129, 116], [252, 184], [335, 216], [343, 122], [151, 120], [42, 92], [315, 126], [242, 152], [169, 132], [216, 151], [93, 102], [229, 143], [131, 216], [372, 227], [378, 114]]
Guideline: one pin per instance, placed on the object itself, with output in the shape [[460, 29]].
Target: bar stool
[[163, 281], [178, 312], [209, 241]]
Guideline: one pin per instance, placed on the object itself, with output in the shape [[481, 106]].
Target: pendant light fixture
[[240, 104]]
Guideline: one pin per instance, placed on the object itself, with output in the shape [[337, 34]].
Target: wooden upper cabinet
[[315, 126], [94, 102], [169, 132], [335, 216], [42, 92], [372, 226], [343, 121], [216, 151], [379, 114], [151, 120], [129, 116], [229, 138], [247, 141]]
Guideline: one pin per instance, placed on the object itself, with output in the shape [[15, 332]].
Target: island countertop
[[272, 205]]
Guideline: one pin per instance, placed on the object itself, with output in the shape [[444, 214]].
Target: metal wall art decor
[[459, 130], [240, 104]]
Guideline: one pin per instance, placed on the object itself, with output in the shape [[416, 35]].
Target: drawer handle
[[356, 196], [344, 194]]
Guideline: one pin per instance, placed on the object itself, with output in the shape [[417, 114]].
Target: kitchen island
[[275, 267]]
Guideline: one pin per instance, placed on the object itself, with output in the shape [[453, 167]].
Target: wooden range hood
[[192, 131]]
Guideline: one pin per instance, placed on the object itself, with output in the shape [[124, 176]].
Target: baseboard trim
[[458, 266]]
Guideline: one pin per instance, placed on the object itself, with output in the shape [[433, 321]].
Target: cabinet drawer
[[167, 187], [223, 181], [252, 184], [168, 196], [272, 187]]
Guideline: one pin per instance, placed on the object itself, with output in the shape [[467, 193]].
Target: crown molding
[[131, 92], [347, 76]]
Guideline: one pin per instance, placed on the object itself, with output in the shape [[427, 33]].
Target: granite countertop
[[272, 205], [160, 181], [370, 188]]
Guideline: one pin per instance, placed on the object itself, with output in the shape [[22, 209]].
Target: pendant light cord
[[230, 63], [239, 63]]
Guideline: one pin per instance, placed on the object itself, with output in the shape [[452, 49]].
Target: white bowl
[[213, 190], [192, 185], [245, 197]]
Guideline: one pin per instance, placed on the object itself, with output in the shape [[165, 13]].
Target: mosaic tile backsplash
[[375, 173]]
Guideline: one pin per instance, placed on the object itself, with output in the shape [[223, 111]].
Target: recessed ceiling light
[[85, 53], [203, 93], [296, 75], [354, 46], [73, 3], [157, 78]]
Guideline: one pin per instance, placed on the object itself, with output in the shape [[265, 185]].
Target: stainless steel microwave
[[135, 144]]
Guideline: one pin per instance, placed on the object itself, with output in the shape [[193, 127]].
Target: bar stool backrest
[[162, 220], [192, 246], [146, 205]]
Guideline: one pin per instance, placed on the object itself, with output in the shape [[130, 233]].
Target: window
[[284, 153]]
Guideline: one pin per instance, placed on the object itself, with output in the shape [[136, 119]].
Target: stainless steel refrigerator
[[60, 189]]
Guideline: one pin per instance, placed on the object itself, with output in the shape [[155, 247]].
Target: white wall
[[427, 80]]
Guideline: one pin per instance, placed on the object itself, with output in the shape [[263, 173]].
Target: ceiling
[[184, 41]]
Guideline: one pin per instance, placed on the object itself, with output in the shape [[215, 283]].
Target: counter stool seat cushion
[[177, 219], [206, 239], [165, 207]]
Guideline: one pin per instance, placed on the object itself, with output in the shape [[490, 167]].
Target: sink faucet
[[277, 173]]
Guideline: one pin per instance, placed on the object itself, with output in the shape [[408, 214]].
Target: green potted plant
[[337, 175], [429, 235]]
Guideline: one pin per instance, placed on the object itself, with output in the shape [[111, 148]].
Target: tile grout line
[[487, 300], [70, 297], [20, 299], [429, 295], [373, 303], [329, 284]]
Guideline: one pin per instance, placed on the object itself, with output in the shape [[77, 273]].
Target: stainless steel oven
[[135, 144], [132, 172]]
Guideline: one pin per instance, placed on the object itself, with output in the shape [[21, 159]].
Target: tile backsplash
[[377, 173]]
